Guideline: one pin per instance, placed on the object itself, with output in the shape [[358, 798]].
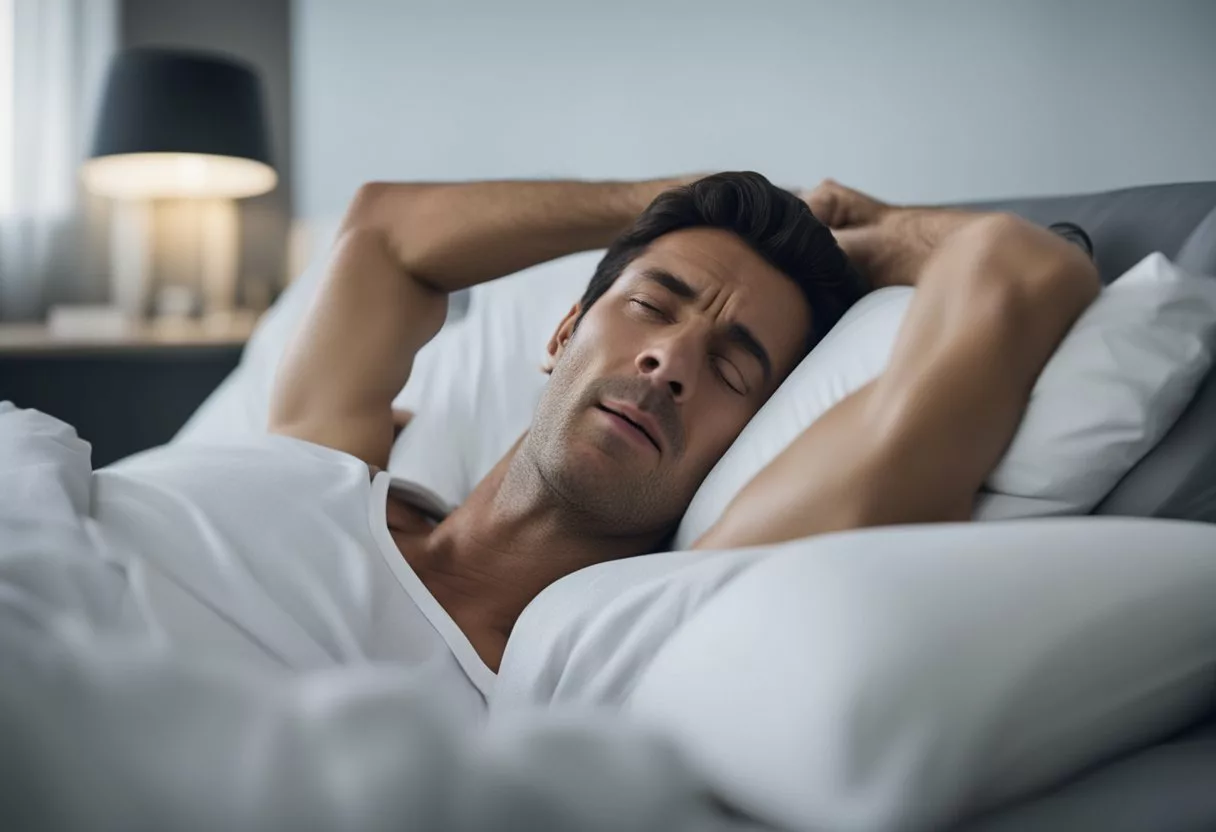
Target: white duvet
[[103, 727], [895, 678]]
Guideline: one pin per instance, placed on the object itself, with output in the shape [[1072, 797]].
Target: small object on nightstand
[[87, 322], [229, 321], [175, 302]]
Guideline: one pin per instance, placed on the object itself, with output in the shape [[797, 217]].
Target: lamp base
[[131, 257], [197, 246], [179, 252]]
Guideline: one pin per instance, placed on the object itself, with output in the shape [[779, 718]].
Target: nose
[[672, 363]]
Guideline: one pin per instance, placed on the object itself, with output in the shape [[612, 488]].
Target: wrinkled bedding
[[104, 726]]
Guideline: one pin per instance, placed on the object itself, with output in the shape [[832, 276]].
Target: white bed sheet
[[105, 727]]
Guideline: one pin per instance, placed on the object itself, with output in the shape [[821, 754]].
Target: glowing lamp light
[[176, 175], [180, 124]]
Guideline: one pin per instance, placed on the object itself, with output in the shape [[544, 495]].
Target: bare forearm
[[997, 297], [452, 236]]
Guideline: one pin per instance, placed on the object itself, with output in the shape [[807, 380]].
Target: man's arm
[[994, 297], [401, 250]]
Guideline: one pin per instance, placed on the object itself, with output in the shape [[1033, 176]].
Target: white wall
[[925, 100]]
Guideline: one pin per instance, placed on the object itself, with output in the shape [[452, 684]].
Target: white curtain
[[53, 237]]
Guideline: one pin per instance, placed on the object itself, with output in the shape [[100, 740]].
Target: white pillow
[[893, 678]]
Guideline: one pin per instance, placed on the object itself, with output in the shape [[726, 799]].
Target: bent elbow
[[1025, 267], [365, 207]]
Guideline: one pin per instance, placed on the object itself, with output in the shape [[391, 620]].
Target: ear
[[557, 343]]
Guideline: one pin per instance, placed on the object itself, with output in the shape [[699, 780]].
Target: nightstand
[[123, 392]]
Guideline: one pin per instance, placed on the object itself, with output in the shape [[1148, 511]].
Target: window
[[6, 107]]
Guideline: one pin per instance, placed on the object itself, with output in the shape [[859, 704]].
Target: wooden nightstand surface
[[39, 339]]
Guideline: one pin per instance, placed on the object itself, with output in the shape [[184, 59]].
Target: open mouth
[[632, 424]]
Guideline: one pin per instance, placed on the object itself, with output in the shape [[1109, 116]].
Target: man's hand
[[888, 244], [839, 207], [860, 224]]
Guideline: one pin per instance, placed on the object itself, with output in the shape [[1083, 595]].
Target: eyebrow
[[676, 285], [736, 333]]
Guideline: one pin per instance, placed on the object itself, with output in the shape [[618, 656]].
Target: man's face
[[661, 375]]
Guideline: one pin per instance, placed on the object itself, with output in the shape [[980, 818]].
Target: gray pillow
[[1178, 477]]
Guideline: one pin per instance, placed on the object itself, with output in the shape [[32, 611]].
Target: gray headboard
[[1178, 478]]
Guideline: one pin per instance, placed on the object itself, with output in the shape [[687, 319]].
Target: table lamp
[[178, 126]]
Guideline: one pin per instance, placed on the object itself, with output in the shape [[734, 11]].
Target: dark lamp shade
[[180, 124]]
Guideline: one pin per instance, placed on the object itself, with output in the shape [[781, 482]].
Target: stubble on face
[[610, 482]]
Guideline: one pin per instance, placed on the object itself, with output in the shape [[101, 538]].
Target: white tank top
[[277, 551]]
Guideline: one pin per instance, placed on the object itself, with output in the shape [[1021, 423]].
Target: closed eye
[[729, 374], [649, 309]]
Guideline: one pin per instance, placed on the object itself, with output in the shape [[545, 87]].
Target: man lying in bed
[[711, 292], [302, 554]]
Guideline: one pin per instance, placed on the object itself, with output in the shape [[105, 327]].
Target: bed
[[677, 691]]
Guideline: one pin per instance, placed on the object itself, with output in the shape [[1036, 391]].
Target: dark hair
[[774, 222]]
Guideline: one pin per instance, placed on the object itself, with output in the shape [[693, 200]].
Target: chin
[[588, 471], [621, 502]]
